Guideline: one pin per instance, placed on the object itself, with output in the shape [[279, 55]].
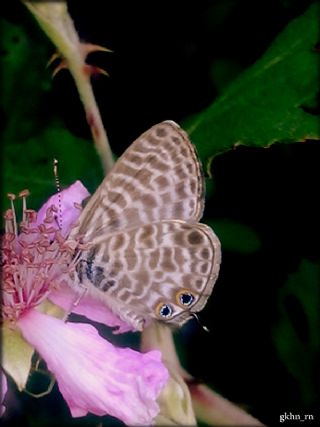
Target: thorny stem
[[54, 19], [83, 84]]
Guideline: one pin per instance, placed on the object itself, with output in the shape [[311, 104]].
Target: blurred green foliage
[[235, 236]]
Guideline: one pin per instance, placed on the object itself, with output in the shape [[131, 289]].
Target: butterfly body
[[148, 257]]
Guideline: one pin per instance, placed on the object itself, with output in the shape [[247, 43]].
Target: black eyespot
[[165, 310], [186, 298]]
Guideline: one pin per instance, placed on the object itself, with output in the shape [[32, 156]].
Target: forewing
[[158, 177], [146, 268]]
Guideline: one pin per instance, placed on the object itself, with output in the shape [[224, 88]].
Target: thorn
[[89, 48], [98, 70], [92, 70], [85, 50], [60, 67], [55, 56]]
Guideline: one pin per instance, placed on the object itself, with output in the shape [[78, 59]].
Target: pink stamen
[[23, 195], [10, 220], [34, 262]]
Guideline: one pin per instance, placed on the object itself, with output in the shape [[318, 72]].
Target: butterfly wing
[[164, 271], [149, 258], [158, 177]]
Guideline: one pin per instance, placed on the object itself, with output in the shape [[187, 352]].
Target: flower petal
[[89, 307], [3, 391], [93, 375], [65, 201]]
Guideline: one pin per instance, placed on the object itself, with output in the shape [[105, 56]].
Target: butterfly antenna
[[58, 187], [198, 320]]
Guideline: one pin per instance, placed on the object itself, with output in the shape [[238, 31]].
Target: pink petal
[[90, 307], [93, 375], [3, 390], [65, 201]]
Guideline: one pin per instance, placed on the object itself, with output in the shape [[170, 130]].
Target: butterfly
[[148, 257]]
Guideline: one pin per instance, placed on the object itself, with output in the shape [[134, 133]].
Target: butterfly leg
[[82, 290]]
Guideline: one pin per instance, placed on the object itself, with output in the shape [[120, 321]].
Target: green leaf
[[234, 236], [264, 104], [296, 335], [16, 356]]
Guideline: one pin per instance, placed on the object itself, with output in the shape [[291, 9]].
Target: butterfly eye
[[185, 298], [164, 310]]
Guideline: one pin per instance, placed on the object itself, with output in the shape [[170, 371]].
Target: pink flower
[[92, 374], [65, 201], [109, 380]]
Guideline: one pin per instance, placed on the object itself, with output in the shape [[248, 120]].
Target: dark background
[[171, 60]]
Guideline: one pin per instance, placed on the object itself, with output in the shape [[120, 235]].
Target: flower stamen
[[12, 197], [34, 261], [23, 195]]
